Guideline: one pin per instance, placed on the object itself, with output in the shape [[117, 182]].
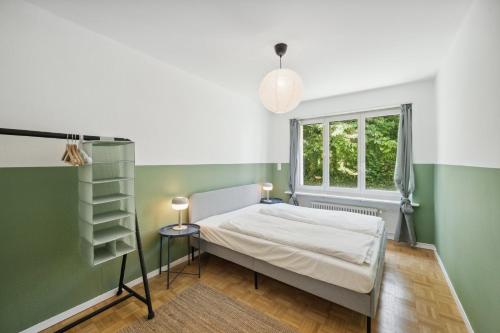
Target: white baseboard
[[450, 285], [426, 246], [96, 300], [454, 293]]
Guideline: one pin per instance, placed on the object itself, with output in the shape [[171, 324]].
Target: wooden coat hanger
[[72, 153], [67, 152], [76, 152]]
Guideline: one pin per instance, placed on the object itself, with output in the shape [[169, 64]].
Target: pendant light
[[281, 89]]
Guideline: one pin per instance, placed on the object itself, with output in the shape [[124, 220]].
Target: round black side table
[[169, 233], [271, 201]]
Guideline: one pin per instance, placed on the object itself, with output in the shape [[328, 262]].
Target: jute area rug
[[202, 309]]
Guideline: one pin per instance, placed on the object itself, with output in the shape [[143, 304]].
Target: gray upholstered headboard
[[206, 204]]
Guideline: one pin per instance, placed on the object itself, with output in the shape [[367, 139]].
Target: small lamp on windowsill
[[180, 203], [267, 187]]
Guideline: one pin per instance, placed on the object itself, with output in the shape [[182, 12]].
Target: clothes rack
[[52, 135], [121, 285]]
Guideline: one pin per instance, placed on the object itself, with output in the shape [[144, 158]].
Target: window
[[344, 153], [350, 152], [381, 144], [312, 146]]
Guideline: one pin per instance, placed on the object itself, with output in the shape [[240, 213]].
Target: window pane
[[312, 147], [344, 153], [381, 145]]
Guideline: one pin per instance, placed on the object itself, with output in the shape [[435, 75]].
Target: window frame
[[360, 189]]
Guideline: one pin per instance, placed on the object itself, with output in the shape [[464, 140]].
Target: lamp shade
[[180, 203], [267, 187], [281, 90]]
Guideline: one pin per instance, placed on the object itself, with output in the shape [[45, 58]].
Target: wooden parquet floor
[[414, 298]]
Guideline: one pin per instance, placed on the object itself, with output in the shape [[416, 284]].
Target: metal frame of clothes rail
[[121, 285]]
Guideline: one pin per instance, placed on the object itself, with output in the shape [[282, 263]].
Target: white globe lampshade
[[281, 90]]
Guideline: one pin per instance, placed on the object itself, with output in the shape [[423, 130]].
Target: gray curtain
[[294, 160], [404, 178]]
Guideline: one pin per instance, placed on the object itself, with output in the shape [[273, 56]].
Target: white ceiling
[[337, 46]]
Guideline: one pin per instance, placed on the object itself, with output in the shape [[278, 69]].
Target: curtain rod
[[377, 108], [52, 135]]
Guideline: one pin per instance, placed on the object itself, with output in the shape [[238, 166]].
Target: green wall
[[43, 273], [468, 239], [280, 181], [424, 195]]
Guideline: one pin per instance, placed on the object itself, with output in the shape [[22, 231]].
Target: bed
[[353, 285]]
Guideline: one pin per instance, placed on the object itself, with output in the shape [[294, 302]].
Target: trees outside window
[[361, 151], [344, 153], [312, 161], [381, 145]]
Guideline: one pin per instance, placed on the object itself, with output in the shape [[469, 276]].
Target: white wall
[[420, 93], [57, 76], [468, 90]]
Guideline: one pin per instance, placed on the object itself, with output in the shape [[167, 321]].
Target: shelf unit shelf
[[102, 255], [107, 205], [110, 180], [110, 216], [110, 198], [111, 234], [111, 162], [123, 248]]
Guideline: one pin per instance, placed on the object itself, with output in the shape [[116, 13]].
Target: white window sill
[[350, 198]]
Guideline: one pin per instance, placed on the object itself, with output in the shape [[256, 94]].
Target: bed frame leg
[[256, 280], [368, 324]]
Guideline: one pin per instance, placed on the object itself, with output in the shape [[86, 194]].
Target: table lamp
[[180, 203], [267, 187]]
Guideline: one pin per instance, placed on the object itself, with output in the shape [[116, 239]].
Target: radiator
[[346, 208]]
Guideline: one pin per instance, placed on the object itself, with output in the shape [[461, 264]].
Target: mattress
[[356, 277]]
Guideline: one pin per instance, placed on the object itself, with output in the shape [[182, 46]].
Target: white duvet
[[339, 272], [354, 247], [365, 224]]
